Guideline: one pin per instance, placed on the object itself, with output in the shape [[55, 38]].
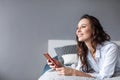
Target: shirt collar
[[98, 51]]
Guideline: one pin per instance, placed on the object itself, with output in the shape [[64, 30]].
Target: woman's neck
[[89, 45]]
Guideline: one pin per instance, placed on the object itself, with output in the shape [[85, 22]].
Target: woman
[[97, 55]]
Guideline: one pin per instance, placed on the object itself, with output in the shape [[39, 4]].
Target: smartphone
[[47, 56]]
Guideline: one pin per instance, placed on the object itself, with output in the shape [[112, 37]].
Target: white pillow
[[70, 58]]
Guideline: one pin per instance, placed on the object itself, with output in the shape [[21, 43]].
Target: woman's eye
[[83, 26]]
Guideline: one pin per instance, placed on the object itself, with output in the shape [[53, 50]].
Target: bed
[[55, 48]]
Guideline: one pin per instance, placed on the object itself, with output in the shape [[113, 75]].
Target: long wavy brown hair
[[98, 37]]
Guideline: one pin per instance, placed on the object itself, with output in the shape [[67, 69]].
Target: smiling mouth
[[80, 35]]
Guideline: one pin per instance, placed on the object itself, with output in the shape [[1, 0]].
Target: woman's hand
[[52, 65], [65, 71]]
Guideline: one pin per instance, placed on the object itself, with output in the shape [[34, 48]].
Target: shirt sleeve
[[108, 67]]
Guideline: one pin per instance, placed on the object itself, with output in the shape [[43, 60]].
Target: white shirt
[[106, 63]]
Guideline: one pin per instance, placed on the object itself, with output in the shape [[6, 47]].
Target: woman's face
[[84, 30]]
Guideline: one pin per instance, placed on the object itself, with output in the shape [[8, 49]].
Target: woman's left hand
[[65, 71]]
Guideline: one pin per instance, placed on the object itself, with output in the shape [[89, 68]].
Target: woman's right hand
[[52, 65]]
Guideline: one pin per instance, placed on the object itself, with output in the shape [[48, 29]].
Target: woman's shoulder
[[109, 44]]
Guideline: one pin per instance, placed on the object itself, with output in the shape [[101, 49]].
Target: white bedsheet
[[52, 75]]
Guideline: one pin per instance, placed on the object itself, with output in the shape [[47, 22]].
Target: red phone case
[[51, 59]]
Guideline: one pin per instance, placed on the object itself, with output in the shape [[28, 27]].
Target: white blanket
[[52, 75]]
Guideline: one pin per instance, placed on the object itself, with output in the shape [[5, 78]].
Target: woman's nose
[[79, 30]]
